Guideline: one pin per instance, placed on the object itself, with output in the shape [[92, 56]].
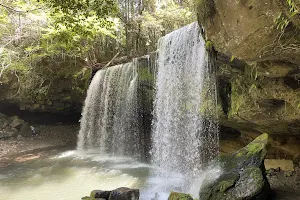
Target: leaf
[[232, 58]]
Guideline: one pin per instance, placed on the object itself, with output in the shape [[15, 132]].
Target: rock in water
[[124, 193], [242, 174], [179, 196], [121, 193], [100, 194]]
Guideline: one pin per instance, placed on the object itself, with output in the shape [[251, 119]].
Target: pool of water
[[71, 175]]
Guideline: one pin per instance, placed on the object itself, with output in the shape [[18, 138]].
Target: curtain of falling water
[[185, 135], [109, 117]]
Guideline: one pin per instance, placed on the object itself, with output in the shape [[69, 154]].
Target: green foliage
[[39, 45], [45, 40], [72, 36], [232, 58], [281, 22], [254, 73], [208, 45], [292, 7], [101, 8], [145, 29]]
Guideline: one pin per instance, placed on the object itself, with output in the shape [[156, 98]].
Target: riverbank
[[21, 148]]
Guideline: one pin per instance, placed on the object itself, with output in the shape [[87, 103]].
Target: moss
[[255, 147], [208, 45], [86, 198], [258, 146], [145, 74], [93, 193], [239, 154], [256, 174], [224, 185], [237, 96], [67, 98], [252, 95], [179, 196]]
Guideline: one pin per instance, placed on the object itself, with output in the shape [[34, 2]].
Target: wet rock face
[[248, 29], [261, 92], [242, 174], [262, 97], [145, 96]]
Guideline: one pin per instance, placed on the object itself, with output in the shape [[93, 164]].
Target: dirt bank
[[285, 185]]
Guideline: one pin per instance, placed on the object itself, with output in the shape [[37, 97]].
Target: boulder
[[179, 196], [2, 115], [242, 174], [3, 121], [4, 135], [100, 194], [121, 193], [25, 130], [16, 122], [124, 193], [89, 198], [19, 137]]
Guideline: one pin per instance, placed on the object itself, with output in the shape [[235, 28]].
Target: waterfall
[[117, 114], [185, 134], [109, 120]]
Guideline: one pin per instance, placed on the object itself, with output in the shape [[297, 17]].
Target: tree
[[101, 8], [36, 38], [42, 40]]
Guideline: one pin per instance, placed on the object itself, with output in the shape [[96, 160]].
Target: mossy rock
[[124, 193], [179, 196], [87, 198], [242, 174]]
